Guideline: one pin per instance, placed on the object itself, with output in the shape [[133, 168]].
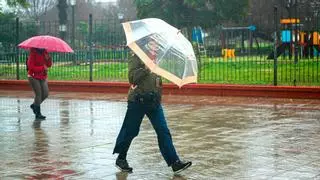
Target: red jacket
[[36, 64]]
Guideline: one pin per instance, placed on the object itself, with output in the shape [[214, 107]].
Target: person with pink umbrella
[[38, 63]]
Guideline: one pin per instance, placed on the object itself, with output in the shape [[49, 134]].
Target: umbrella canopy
[[163, 49], [50, 43]]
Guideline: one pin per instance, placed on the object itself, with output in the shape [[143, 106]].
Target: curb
[[304, 92]]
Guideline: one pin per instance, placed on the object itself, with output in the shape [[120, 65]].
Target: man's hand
[[46, 56], [133, 86]]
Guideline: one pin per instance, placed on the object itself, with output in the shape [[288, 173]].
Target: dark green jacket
[[141, 77]]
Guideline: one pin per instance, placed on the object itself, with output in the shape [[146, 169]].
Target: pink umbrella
[[50, 43]]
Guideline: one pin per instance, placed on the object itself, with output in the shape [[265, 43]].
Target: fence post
[[90, 46], [17, 50], [275, 64], [73, 33], [296, 43], [250, 35]]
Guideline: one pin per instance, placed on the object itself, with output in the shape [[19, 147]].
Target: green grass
[[242, 70], [254, 70]]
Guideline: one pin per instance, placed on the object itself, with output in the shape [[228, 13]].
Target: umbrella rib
[[165, 51]]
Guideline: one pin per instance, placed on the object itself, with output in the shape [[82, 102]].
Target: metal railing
[[231, 56]]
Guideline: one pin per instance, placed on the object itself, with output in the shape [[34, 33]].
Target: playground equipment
[[286, 46], [310, 44], [228, 53], [229, 36], [198, 37], [308, 41]]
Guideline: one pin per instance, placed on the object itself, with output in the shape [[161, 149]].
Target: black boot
[[38, 114], [33, 109], [179, 166], [123, 165]]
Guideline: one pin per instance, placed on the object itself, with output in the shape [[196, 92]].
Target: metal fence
[[232, 55]]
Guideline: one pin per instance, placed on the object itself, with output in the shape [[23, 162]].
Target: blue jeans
[[131, 126]]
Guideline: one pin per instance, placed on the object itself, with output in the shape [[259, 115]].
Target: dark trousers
[[40, 89], [131, 126]]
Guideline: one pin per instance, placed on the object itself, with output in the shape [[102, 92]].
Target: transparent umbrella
[[163, 49]]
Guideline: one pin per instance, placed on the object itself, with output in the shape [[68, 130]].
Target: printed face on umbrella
[[153, 48]]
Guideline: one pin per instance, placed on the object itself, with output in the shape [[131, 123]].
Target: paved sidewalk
[[225, 137]]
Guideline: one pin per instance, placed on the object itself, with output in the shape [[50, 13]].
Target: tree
[[184, 13], [191, 13], [63, 17], [15, 3], [263, 14], [7, 33], [8, 38], [126, 7], [36, 8]]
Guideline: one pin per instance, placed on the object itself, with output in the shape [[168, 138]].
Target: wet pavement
[[225, 137]]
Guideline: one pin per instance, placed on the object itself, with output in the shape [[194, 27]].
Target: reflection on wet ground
[[225, 137]]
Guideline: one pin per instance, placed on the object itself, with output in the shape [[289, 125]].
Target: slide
[[280, 50]]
